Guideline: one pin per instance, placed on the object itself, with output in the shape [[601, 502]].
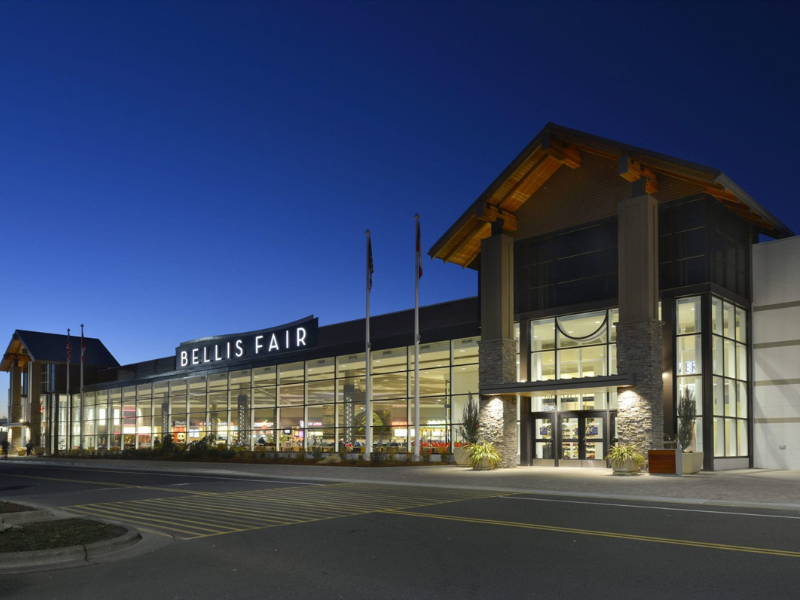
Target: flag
[[69, 348], [83, 347], [370, 266], [419, 252]]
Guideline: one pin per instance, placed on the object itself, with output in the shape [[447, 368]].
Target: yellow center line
[[622, 536]]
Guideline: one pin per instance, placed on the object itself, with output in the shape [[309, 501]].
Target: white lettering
[[301, 336], [184, 358], [205, 354], [287, 339], [259, 345], [195, 358], [239, 349], [229, 350], [273, 343], [216, 352]]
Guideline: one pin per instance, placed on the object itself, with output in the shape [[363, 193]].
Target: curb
[[70, 556]]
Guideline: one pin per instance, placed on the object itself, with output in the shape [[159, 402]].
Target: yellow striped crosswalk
[[208, 514]]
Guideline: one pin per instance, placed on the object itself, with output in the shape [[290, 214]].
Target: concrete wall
[[776, 354]]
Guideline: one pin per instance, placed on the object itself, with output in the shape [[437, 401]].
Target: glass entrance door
[[543, 439], [582, 439]]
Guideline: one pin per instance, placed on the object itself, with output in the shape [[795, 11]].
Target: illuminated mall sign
[[210, 351]]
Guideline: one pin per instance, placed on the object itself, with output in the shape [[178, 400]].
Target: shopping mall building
[[612, 282]]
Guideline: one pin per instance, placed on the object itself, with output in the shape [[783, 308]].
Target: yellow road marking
[[623, 536], [210, 514], [110, 484], [148, 517]]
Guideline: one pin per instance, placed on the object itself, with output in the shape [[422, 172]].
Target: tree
[[687, 414], [470, 425]]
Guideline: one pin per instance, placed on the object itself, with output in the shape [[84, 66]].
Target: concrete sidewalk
[[752, 487]]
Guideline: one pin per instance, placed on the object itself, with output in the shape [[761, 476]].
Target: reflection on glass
[[689, 357]]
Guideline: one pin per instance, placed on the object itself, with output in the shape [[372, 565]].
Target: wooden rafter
[[532, 182], [473, 231], [472, 256], [566, 155], [722, 194], [490, 213], [632, 170]]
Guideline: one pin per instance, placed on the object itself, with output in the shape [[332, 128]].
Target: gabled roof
[[52, 347], [555, 146]]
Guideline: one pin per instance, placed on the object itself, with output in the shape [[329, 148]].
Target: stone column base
[[640, 415], [498, 425]]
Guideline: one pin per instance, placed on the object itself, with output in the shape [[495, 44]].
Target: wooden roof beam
[[722, 194], [568, 155], [472, 232], [632, 171], [489, 213], [471, 257]]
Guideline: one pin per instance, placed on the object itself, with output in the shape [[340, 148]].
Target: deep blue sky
[[171, 170]]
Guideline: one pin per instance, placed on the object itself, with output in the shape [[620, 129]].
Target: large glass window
[[574, 346], [689, 357], [729, 340], [320, 402]]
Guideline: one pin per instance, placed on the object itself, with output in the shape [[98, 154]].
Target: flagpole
[[416, 345], [83, 359], [69, 403], [368, 400]]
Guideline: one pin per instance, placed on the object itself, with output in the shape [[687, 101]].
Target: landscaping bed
[[10, 507], [56, 534], [379, 459]]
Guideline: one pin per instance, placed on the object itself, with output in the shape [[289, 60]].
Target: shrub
[[687, 413], [623, 452], [483, 451]]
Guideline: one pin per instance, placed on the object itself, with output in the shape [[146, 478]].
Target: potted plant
[[468, 430], [691, 462], [483, 456], [625, 459]]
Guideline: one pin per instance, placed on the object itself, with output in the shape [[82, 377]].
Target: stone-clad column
[[497, 350], [640, 416], [35, 401], [15, 410]]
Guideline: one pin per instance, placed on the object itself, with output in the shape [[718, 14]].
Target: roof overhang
[[555, 146], [526, 388], [16, 351]]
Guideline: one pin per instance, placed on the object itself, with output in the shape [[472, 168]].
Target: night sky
[[173, 170]]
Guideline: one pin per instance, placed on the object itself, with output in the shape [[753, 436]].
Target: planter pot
[[462, 456], [625, 467], [692, 462], [661, 461], [484, 465]]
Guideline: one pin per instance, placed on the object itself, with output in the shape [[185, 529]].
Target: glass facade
[[729, 343], [724, 380], [689, 359], [291, 406], [574, 346]]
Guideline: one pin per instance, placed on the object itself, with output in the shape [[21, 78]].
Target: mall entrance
[[571, 439]]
